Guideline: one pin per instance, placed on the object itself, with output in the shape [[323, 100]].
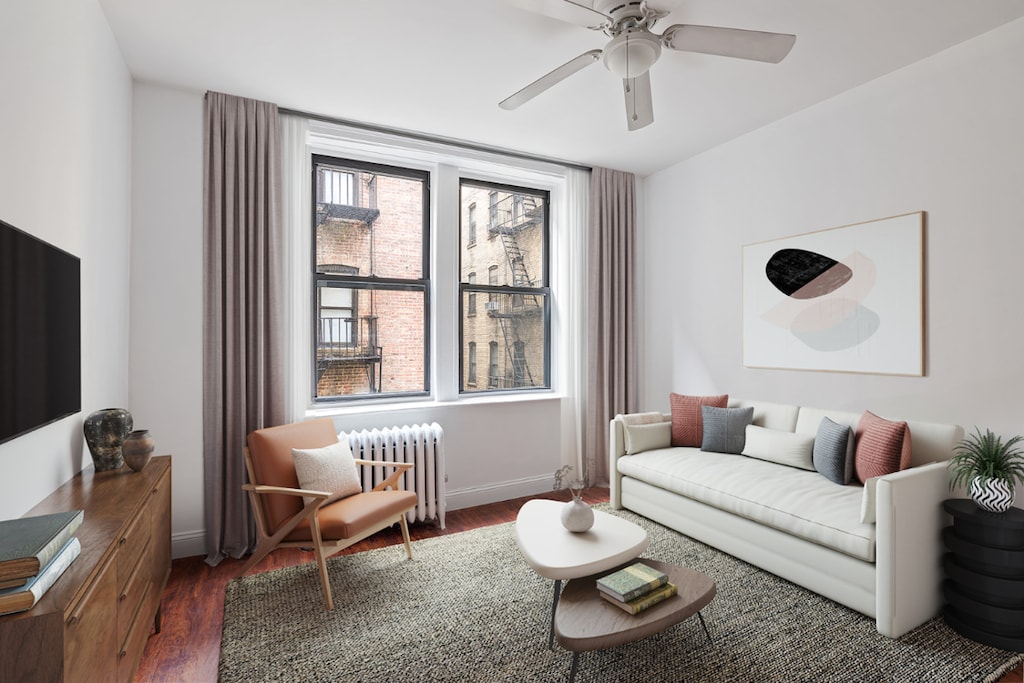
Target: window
[[471, 233], [370, 314], [516, 325], [471, 364], [492, 366], [471, 296], [334, 186]]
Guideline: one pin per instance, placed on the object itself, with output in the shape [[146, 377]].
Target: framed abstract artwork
[[848, 299]]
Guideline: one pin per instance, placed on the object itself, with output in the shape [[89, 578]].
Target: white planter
[[995, 495]]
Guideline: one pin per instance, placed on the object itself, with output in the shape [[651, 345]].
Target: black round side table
[[984, 587]]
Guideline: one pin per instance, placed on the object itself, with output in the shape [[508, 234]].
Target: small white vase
[[577, 516], [995, 495]]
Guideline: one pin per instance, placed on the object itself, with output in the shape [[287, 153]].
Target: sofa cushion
[[792, 500], [833, 451], [784, 448], [646, 437], [687, 423], [330, 469], [724, 428], [883, 447]]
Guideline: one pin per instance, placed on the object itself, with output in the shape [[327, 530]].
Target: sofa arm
[[909, 523], [616, 449]]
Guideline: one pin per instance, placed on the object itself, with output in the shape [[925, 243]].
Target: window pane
[[513, 330], [375, 345], [515, 235], [370, 222]]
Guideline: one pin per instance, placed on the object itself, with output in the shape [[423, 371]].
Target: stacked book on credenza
[[636, 587], [34, 552]]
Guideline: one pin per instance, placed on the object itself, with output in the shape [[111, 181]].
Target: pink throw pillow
[[883, 447], [687, 423]]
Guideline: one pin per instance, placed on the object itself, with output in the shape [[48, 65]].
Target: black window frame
[[368, 281], [495, 292]]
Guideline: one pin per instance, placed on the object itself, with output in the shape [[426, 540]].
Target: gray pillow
[[833, 452], [725, 428]]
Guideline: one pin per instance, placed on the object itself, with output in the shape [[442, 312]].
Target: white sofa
[[799, 525]]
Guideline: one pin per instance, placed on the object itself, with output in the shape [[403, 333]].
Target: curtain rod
[[424, 137]]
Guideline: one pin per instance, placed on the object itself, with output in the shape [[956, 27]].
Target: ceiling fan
[[633, 48]]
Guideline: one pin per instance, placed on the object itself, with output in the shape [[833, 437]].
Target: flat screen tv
[[40, 333]]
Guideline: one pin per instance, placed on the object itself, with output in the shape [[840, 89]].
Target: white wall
[[65, 132], [944, 136], [495, 451], [167, 293]]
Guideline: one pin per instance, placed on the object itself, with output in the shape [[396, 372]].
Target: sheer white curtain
[[573, 304], [295, 201]]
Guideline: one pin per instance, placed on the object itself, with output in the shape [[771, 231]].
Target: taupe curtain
[[611, 334], [244, 335]]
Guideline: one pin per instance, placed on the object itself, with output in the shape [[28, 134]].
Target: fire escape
[[509, 217], [349, 341]]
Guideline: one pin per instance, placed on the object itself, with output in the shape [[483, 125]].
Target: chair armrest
[[392, 479], [262, 488], [909, 523]]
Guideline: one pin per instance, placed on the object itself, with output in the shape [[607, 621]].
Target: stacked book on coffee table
[[636, 587], [34, 552]]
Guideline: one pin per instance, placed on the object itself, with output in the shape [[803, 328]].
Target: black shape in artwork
[[803, 274]]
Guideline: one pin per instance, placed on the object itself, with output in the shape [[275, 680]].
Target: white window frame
[[446, 164]]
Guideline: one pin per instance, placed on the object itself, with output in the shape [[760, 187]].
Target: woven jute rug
[[468, 609]]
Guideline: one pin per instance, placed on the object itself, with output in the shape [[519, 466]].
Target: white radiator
[[423, 446]]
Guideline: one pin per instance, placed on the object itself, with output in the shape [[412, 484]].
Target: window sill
[[402, 404]]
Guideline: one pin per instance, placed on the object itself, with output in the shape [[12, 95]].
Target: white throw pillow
[[330, 468], [647, 437], [784, 448], [867, 502]]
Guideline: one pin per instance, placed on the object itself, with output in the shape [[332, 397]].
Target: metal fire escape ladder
[[510, 317]]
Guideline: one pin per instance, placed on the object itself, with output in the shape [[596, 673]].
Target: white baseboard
[[188, 544], [458, 499]]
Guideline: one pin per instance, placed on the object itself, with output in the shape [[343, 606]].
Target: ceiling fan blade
[[571, 11], [550, 79], [639, 105], [729, 42]]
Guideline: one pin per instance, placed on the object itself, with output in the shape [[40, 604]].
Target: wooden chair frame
[[321, 548]]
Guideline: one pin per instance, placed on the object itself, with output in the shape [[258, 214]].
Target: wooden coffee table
[[585, 621], [557, 553]]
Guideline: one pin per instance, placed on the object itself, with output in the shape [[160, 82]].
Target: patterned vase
[[994, 495], [137, 449], [104, 432], [577, 515]]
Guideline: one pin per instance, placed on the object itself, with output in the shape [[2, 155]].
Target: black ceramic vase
[[105, 431]]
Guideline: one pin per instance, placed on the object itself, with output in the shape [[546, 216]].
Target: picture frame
[[846, 299]]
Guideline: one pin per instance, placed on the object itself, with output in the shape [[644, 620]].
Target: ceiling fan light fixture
[[632, 53]]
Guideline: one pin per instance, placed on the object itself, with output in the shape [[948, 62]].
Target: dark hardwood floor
[[188, 646]]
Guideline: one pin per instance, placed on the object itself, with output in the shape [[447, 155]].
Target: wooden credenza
[[93, 623]]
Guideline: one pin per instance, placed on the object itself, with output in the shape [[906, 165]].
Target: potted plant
[[989, 467]]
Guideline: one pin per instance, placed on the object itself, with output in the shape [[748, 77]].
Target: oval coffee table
[[585, 621], [556, 553]]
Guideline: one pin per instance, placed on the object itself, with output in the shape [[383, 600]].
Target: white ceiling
[[441, 66]]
